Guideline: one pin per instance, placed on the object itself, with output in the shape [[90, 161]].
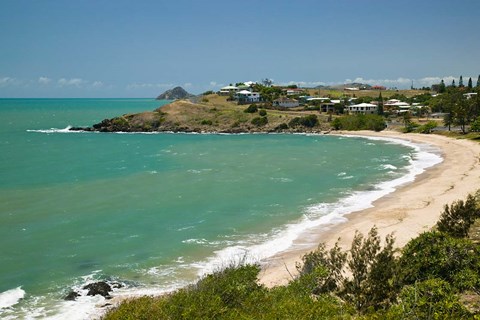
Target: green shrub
[[427, 127], [430, 299], [205, 100], [371, 267], [251, 109], [457, 218], [262, 112], [438, 255], [206, 122], [359, 122], [281, 127], [259, 121], [309, 121], [475, 126]]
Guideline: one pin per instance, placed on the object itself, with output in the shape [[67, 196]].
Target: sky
[[121, 48]]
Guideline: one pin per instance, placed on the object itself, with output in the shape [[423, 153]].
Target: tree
[[441, 88], [457, 218], [470, 85], [460, 82], [267, 82], [380, 105], [453, 83], [478, 82]]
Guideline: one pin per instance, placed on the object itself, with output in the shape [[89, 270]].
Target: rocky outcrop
[[98, 288], [186, 116], [175, 94]]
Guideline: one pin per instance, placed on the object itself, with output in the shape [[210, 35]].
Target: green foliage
[[430, 299], [281, 127], [206, 122], [372, 270], [457, 218], [205, 100], [427, 127], [251, 109], [309, 121], [206, 93], [438, 255], [475, 126], [262, 112], [359, 122], [259, 121]]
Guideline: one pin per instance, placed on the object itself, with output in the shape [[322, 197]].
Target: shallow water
[[156, 210]]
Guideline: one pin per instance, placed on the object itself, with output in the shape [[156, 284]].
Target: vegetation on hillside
[[435, 276]]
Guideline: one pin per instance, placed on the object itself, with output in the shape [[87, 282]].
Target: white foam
[[323, 214], [11, 297], [388, 166], [55, 130]]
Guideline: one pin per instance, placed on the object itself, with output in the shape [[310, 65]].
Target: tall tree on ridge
[[380, 104], [478, 81], [470, 85], [460, 82], [453, 83], [441, 87]]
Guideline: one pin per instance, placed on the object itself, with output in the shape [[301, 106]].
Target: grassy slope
[[214, 113]]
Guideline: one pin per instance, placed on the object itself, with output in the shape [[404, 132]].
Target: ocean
[[156, 211]]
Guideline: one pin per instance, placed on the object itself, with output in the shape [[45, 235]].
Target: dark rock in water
[[80, 129], [72, 296], [117, 285], [174, 94], [102, 288]]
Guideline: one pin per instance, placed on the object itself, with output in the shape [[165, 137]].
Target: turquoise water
[[152, 210]]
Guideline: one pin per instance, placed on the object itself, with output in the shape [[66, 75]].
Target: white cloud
[[213, 83], [306, 84], [77, 82], [8, 81], [187, 84], [44, 80], [134, 86], [97, 84], [404, 83]]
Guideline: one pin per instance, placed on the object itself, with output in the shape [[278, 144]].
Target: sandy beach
[[410, 210]]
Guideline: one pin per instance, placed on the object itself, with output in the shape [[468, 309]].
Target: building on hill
[[225, 91], [362, 108], [286, 102], [245, 96]]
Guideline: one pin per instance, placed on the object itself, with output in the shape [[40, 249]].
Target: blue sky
[[97, 48]]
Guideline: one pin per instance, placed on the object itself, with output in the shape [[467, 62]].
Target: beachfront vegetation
[[359, 122], [435, 276]]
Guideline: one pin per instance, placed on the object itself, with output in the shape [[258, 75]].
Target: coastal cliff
[[213, 115]]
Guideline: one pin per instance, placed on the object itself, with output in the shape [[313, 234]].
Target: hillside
[[213, 114]]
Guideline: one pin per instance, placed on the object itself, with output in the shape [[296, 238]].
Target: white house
[[365, 108], [286, 102], [470, 95], [225, 91], [246, 96]]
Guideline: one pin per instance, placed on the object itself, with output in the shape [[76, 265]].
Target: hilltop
[[175, 94]]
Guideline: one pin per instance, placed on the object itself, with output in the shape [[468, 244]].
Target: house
[[470, 95], [285, 102], [246, 96], [226, 91], [294, 91], [363, 108]]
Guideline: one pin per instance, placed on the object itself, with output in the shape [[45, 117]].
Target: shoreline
[[411, 209]]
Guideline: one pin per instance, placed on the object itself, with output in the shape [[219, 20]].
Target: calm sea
[[153, 211]]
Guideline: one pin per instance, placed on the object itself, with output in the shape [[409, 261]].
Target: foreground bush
[[457, 218]]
